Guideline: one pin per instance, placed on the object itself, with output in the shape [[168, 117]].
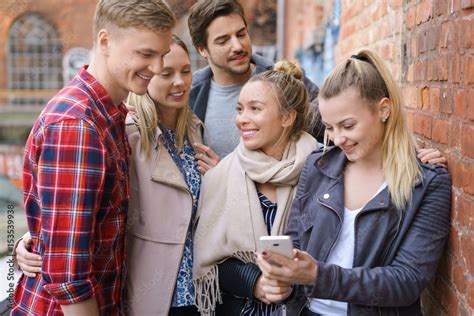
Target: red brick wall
[[71, 18], [429, 45], [442, 42]]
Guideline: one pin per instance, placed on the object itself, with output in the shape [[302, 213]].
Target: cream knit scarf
[[230, 216]]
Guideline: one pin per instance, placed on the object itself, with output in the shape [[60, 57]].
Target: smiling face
[[353, 126], [262, 126], [132, 57], [170, 88], [228, 48]]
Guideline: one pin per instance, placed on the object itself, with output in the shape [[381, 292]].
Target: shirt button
[[326, 196]]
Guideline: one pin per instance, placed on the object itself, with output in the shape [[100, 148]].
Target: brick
[[455, 5], [471, 105], [440, 7], [440, 130], [413, 46], [468, 175], [470, 296], [455, 69], [443, 68], [410, 73], [386, 51], [467, 4], [423, 11], [420, 71], [411, 17], [425, 98], [446, 101], [347, 14], [461, 210], [395, 4], [423, 125], [449, 299], [380, 10], [434, 100], [469, 70], [467, 248], [422, 42], [431, 70], [467, 143], [433, 38], [460, 104], [454, 135], [454, 245], [446, 36], [459, 277], [468, 29], [471, 217]]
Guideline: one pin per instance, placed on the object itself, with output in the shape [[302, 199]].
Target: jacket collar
[[164, 168], [332, 164]]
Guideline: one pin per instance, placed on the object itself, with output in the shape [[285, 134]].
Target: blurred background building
[[428, 45]]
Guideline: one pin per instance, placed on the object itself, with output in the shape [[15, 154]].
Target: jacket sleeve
[[401, 282], [238, 278]]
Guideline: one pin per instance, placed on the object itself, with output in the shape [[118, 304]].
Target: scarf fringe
[[208, 293], [207, 290]]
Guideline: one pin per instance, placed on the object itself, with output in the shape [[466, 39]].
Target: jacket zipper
[[394, 237], [338, 232]]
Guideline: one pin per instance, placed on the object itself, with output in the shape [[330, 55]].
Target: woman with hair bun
[[369, 221], [249, 193]]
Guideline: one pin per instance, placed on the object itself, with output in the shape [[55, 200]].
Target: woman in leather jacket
[[369, 221]]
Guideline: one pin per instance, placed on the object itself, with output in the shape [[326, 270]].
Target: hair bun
[[290, 68]]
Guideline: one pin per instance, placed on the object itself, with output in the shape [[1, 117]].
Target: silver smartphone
[[280, 244]]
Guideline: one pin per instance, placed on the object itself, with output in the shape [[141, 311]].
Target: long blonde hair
[[149, 116], [367, 72]]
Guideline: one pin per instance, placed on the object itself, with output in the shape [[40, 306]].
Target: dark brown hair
[[202, 13]]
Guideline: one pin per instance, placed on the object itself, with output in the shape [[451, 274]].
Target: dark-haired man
[[219, 32]]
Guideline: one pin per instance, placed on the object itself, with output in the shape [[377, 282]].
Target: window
[[34, 60]]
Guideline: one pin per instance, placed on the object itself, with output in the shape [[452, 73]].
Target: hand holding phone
[[279, 244]]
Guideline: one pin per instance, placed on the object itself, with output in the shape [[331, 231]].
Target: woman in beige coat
[[164, 136]]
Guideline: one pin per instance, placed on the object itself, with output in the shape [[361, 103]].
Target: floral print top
[[186, 163]]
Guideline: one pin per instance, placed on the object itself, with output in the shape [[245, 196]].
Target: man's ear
[[103, 41], [289, 118], [203, 52]]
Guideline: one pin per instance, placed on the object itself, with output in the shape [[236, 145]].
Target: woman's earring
[[384, 118]]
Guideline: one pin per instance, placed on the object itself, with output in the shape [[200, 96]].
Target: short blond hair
[[154, 15]]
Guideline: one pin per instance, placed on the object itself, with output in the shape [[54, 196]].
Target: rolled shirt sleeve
[[71, 173]]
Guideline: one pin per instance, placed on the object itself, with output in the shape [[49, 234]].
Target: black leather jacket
[[396, 253]]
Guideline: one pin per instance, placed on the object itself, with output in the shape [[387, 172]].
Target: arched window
[[34, 60]]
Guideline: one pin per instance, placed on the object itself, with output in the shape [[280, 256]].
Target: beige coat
[[158, 220]]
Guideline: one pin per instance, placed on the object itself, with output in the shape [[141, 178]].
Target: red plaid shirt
[[75, 186]]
